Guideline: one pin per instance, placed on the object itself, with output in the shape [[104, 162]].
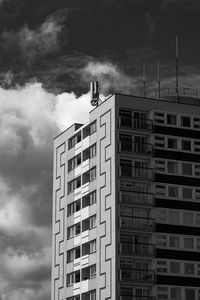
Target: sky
[[49, 52]]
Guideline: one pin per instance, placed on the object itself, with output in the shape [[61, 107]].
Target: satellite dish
[[94, 90]]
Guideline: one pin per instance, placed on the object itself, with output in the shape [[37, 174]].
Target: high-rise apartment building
[[126, 205]]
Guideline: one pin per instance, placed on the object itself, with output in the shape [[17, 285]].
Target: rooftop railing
[[182, 92]]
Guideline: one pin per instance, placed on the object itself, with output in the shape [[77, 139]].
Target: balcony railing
[[139, 249], [139, 148], [133, 123], [126, 297], [137, 172], [136, 275], [144, 224], [133, 197]]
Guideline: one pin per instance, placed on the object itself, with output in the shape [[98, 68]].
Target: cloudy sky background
[[49, 52]]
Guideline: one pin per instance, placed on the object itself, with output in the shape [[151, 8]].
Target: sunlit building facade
[[126, 202]]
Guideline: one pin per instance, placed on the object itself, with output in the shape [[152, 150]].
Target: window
[[161, 240], [196, 122], [89, 272], [93, 246], [93, 127], [174, 267], [159, 165], [74, 184], [159, 141], [173, 191], [174, 242], [175, 293], [159, 117], [161, 215], [187, 169], [171, 119], [89, 247], [89, 223], [189, 268], [188, 243], [74, 298], [186, 145], [161, 266], [89, 295], [73, 207], [73, 278], [73, 254], [197, 219], [174, 216], [89, 199], [89, 129], [93, 271], [172, 143], [189, 294], [93, 174], [74, 162], [74, 140], [92, 221], [89, 175], [73, 230], [89, 152], [160, 190], [185, 121], [187, 193], [188, 218], [125, 118], [172, 167]]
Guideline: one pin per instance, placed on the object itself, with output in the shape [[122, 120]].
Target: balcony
[[139, 249], [137, 223], [136, 198], [137, 275], [137, 172], [133, 123], [139, 148], [137, 297]]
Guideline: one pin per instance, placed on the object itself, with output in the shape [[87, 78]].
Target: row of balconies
[[133, 123], [137, 172], [137, 275], [135, 198], [137, 249], [137, 223], [139, 148]]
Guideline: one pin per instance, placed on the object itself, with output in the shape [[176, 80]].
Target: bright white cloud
[[29, 119], [110, 77]]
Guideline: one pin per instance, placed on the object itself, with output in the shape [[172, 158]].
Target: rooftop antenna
[[158, 79], [177, 96], [94, 90], [144, 78]]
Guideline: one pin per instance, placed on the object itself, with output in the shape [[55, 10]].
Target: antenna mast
[[158, 79], [144, 78], [177, 68]]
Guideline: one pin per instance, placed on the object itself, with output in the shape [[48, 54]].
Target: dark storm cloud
[[52, 41]]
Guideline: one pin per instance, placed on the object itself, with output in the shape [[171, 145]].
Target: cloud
[[29, 119], [31, 44], [111, 78], [41, 41]]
